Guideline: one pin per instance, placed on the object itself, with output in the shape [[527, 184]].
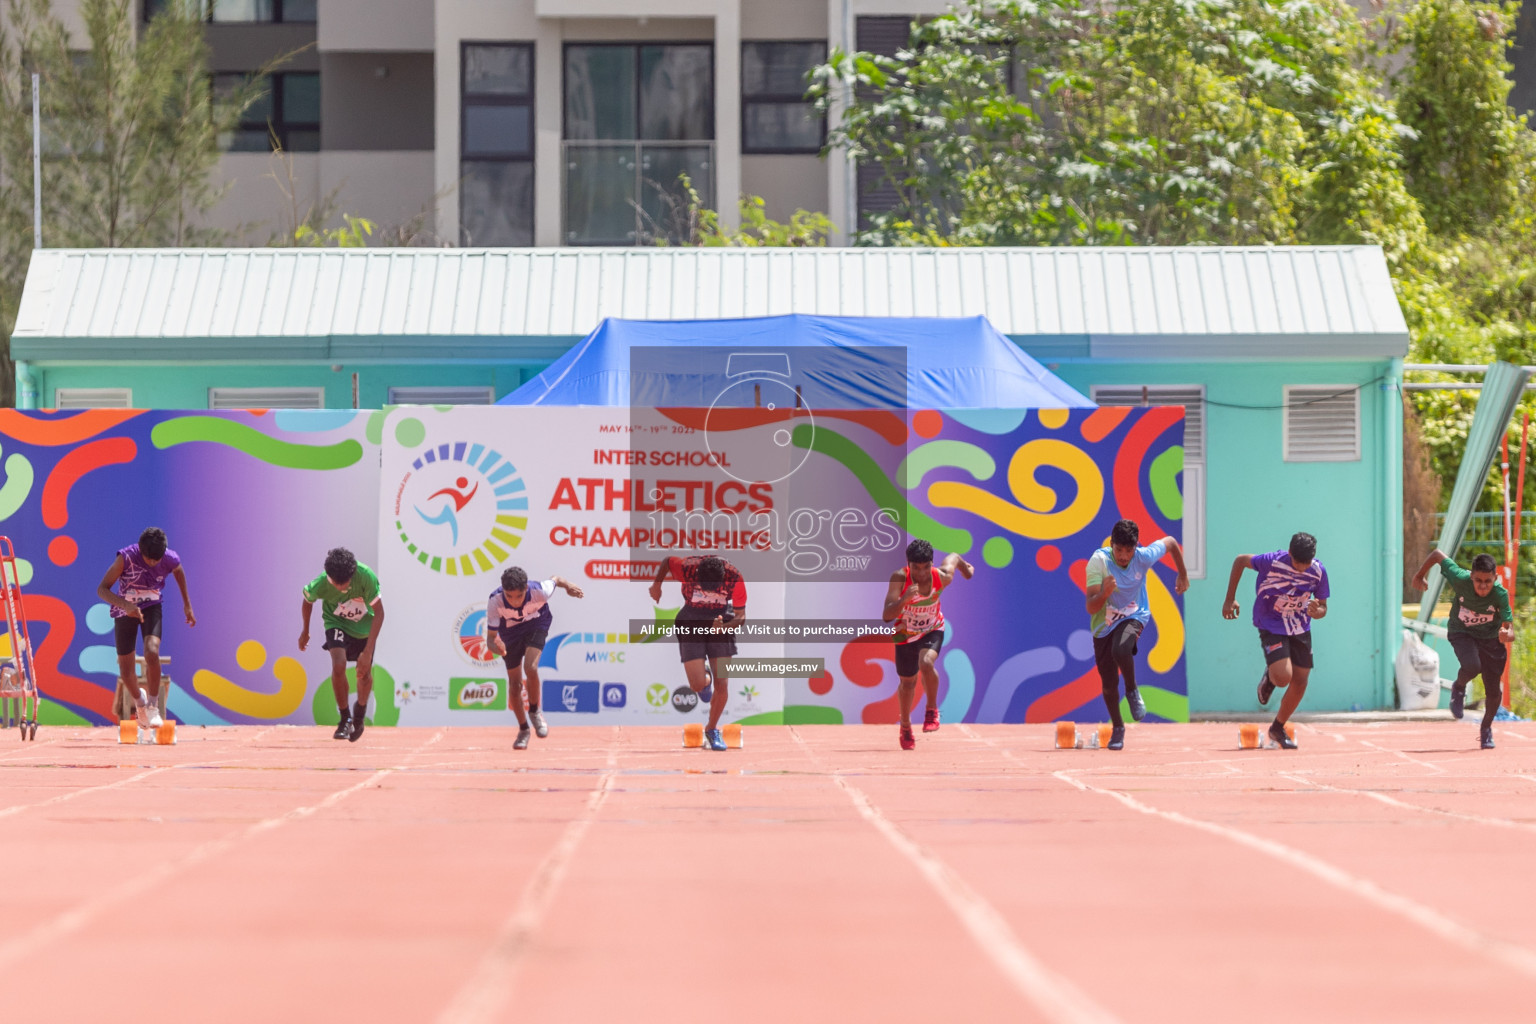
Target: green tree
[[131, 133]]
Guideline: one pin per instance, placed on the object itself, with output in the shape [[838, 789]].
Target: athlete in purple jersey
[[1291, 591], [139, 571]]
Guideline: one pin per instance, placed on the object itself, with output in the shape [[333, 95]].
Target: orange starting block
[[128, 730], [693, 735], [1068, 739], [1252, 737]]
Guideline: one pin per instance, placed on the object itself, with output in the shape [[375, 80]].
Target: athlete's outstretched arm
[[1181, 582], [365, 659], [304, 633], [661, 574], [104, 590], [893, 597], [567, 586], [1420, 579], [952, 563], [1241, 562], [186, 602]]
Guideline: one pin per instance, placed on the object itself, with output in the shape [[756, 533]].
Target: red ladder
[[18, 677]]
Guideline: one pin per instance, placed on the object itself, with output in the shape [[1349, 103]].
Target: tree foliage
[[1178, 122]]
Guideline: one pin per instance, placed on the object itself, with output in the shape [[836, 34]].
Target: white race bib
[[1290, 604], [353, 610]]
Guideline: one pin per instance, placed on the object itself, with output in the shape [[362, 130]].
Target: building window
[[775, 115], [1322, 423], [287, 113], [1192, 398], [266, 398], [247, 11], [637, 118], [496, 144], [93, 398], [442, 396]]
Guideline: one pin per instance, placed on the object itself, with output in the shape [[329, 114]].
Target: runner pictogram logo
[[461, 509]]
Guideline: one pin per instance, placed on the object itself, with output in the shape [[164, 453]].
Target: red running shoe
[[931, 720], [908, 741]]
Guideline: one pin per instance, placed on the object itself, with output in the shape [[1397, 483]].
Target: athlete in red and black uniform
[[912, 602], [714, 606]]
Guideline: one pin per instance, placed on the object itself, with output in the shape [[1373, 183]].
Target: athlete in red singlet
[[912, 602]]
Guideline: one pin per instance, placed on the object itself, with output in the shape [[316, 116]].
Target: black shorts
[[126, 629], [696, 640], [909, 656], [518, 640], [1486, 655], [353, 645], [1279, 646], [1104, 649]]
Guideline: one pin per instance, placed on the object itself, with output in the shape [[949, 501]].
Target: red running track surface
[[1381, 872]]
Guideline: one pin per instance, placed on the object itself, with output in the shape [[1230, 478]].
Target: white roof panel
[[1122, 302]]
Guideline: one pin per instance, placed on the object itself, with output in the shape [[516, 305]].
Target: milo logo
[[474, 694]]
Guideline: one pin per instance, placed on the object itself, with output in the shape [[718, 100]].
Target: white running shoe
[[536, 719], [141, 708], [155, 721]]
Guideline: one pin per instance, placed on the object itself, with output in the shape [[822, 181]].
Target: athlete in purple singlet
[[139, 572]]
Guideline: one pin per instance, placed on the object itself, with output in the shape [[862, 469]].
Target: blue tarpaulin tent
[[838, 362]]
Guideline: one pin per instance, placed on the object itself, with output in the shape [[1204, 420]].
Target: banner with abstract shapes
[[252, 501]]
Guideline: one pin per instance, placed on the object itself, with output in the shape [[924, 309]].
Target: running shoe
[[713, 740], [931, 720], [343, 727], [908, 741], [536, 719], [1485, 735], [707, 694], [1117, 738], [1266, 689], [1138, 706], [357, 724], [1278, 734], [155, 721], [141, 710], [523, 734], [1458, 699]]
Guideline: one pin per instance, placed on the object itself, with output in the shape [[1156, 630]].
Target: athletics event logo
[[469, 638], [461, 508]]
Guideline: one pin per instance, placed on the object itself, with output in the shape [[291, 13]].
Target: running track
[[1382, 872]]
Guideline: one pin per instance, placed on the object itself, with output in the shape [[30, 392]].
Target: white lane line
[[1394, 802], [1056, 997], [485, 994], [1511, 955], [6, 812], [1407, 757], [71, 921]]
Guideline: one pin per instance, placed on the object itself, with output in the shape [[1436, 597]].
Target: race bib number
[[1469, 617], [1291, 604], [353, 610], [141, 595], [919, 620], [1113, 615]]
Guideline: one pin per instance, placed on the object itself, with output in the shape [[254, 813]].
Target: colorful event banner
[[441, 500]]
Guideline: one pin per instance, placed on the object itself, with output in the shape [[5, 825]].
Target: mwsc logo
[[461, 508]]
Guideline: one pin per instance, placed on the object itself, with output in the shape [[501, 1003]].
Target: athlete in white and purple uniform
[[1291, 591], [139, 571], [517, 621]]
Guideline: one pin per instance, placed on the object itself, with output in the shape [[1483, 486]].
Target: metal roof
[[285, 304]]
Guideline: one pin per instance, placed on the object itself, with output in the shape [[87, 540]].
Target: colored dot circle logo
[[462, 509]]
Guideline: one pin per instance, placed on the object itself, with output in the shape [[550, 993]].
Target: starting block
[[1252, 737], [693, 735], [128, 731], [1068, 739]]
